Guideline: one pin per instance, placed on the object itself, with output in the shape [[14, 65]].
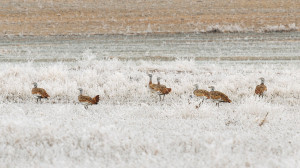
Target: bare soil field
[[77, 17]]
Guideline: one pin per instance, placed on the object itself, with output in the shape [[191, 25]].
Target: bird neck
[[80, 92], [196, 87], [158, 82], [150, 79]]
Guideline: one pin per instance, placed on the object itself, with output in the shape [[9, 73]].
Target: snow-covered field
[[131, 128]]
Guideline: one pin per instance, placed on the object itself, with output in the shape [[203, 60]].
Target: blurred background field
[[77, 17]]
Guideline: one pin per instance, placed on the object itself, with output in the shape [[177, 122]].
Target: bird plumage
[[87, 100], [39, 93], [260, 89], [162, 89], [201, 93], [218, 96]]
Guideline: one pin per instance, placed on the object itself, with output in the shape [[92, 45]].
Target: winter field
[[130, 127]]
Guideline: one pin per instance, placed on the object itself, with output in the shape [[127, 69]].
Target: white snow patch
[[131, 128]]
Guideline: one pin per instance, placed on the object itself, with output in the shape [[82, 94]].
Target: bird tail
[[45, 95], [96, 99], [226, 99], [166, 90]]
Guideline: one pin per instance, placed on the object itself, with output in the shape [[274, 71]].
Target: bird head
[[80, 90], [212, 88], [150, 75], [34, 84], [196, 86], [262, 80]]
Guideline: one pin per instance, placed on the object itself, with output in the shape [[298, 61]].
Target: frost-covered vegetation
[[131, 128]]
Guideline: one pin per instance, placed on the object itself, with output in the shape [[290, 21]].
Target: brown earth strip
[[77, 17]]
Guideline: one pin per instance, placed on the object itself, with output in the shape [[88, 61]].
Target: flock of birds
[[215, 96], [158, 88]]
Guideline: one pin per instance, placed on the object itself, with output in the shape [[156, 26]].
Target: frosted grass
[[126, 81], [148, 136], [131, 128]]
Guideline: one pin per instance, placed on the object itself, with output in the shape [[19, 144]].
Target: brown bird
[[260, 89], [86, 100], [203, 94], [162, 89], [218, 97], [39, 93]]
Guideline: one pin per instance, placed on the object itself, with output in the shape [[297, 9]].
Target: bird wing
[[87, 99], [156, 87], [264, 87], [214, 95], [260, 89], [219, 96], [201, 93], [40, 91], [164, 90], [152, 86], [224, 97]]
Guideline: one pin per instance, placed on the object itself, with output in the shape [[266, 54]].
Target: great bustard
[[218, 97], [87, 100], [203, 94], [39, 93], [162, 89], [260, 89]]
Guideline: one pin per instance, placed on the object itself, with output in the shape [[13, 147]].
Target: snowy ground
[[131, 128]]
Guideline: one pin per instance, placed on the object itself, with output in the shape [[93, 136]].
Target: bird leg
[[199, 105], [201, 102], [160, 97], [189, 99]]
